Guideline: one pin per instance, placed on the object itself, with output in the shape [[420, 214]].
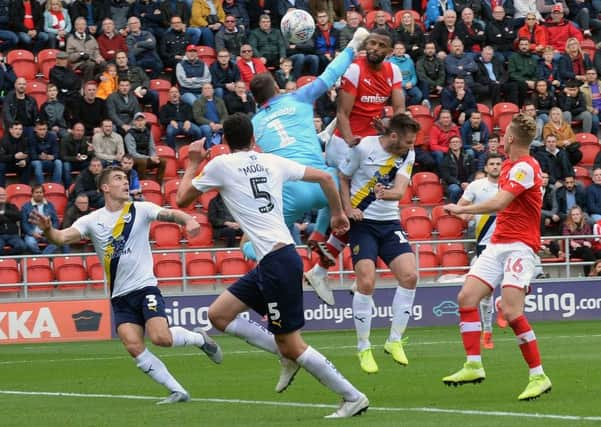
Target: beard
[[375, 59]]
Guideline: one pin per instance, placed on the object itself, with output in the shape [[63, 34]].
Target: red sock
[[527, 341], [336, 244], [470, 327]]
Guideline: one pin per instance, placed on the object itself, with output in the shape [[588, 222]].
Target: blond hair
[[523, 128]]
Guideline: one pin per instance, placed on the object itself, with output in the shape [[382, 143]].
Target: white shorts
[[507, 264], [336, 151]]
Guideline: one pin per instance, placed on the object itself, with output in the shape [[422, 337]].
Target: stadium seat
[[231, 262], [450, 227], [9, 271], [162, 88], [486, 116], [70, 269], [429, 193], [38, 270], [425, 126], [449, 247], [412, 211], [437, 212], [381, 265], [204, 239], [387, 111], [95, 271], [46, 60], [370, 18], [589, 153], [416, 18], [454, 258], [166, 235], [151, 190], [588, 46], [419, 111], [168, 153], [427, 258], [218, 150], [305, 257], [587, 138], [37, 90], [582, 176], [168, 269], [304, 80], [419, 228], [368, 5], [205, 199], [55, 193], [18, 194], [207, 54], [23, 63], [201, 264], [502, 113], [423, 177], [407, 199], [155, 127]]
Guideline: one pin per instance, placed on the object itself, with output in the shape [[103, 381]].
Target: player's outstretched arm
[[58, 237], [181, 218], [186, 193], [499, 202], [338, 220]]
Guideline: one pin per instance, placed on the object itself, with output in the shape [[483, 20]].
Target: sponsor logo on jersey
[[367, 82], [373, 99]]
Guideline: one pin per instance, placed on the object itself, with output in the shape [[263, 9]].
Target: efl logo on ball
[[297, 26]]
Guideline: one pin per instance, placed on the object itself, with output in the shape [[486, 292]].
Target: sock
[[325, 372], [182, 336], [486, 313], [320, 271], [252, 333], [152, 365], [336, 244], [362, 318], [470, 327], [401, 312], [528, 344]]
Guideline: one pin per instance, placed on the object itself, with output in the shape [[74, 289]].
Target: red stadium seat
[[418, 228], [305, 257], [407, 199], [381, 265], [207, 54], [55, 193], [416, 18], [37, 90], [370, 18], [419, 111], [10, 273], [168, 153], [166, 235], [425, 126], [587, 138], [151, 190], [412, 211], [502, 114], [455, 258], [588, 46], [204, 239], [429, 193], [38, 271], [205, 199], [231, 262], [218, 150], [437, 212], [450, 227], [427, 258], [486, 116], [589, 153], [70, 269], [168, 269], [46, 60], [162, 88], [450, 247], [23, 63], [95, 271], [582, 175], [367, 5], [200, 264], [423, 177], [304, 80], [155, 127], [18, 194]]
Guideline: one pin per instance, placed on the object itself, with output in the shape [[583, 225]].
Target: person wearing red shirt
[[248, 65], [440, 135], [509, 259], [535, 33], [110, 41]]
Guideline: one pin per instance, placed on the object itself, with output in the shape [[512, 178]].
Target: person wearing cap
[[140, 145], [192, 74], [122, 106], [559, 29]]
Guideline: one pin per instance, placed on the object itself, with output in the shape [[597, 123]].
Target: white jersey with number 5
[[251, 186]]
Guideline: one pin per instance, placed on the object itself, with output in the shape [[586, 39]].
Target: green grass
[[399, 396]]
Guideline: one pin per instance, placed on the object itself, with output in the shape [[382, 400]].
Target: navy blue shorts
[[275, 288], [372, 239], [138, 306]]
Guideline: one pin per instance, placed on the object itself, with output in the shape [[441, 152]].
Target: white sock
[[252, 333], [182, 336], [537, 370], [486, 313], [362, 318], [153, 367], [321, 368], [402, 305], [475, 358], [319, 271]]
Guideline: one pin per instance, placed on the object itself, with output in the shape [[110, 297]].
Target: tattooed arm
[[181, 218]]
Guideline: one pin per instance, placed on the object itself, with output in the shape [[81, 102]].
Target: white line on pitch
[[310, 405]]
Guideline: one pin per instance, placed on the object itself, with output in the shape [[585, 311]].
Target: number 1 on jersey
[[281, 131]]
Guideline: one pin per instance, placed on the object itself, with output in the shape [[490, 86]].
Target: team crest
[[356, 249], [520, 175], [127, 218]]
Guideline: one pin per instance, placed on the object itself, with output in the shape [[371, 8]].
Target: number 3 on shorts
[[274, 313], [151, 302]]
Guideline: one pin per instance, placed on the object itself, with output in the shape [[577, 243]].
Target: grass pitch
[[97, 384]]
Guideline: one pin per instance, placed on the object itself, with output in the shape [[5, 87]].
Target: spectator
[[444, 32], [65, 79], [573, 104], [8, 39], [582, 13], [86, 184], [500, 33], [256, 9], [191, 75], [550, 221], [28, 23], [593, 197], [179, 8], [248, 65], [44, 154], [546, 7], [108, 145], [142, 48], [554, 161], [268, 43], [75, 153], [140, 145], [470, 32], [411, 35], [304, 58], [240, 100], [14, 154], [284, 74], [79, 208], [88, 109], [7, 77], [559, 29], [456, 169], [57, 24], [458, 63], [431, 75], [177, 117], [412, 93], [535, 33], [493, 147], [109, 82], [576, 225], [237, 10], [591, 90], [595, 269], [151, 16], [121, 107], [353, 21], [173, 44], [32, 235], [9, 227], [326, 106], [207, 16], [223, 223], [83, 51], [568, 195], [283, 6], [474, 135], [118, 10], [53, 112], [110, 41], [140, 83], [94, 11], [542, 101], [135, 189], [548, 69], [492, 79], [327, 37], [231, 36], [458, 99], [566, 138], [437, 12], [209, 113], [20, 107], [573, 64], [224, 73], [442, 132], [523, 70]]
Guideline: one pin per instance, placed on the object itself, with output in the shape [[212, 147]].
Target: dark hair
[[16, 123], [238, 131], [382, 32], [41, 123], [493, 156], [262, 87], [104, 176], [495, 136], [402, 124], [38, 187], [127, 156]]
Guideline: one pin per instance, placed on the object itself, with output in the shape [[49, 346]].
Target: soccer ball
[[297, 26]]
